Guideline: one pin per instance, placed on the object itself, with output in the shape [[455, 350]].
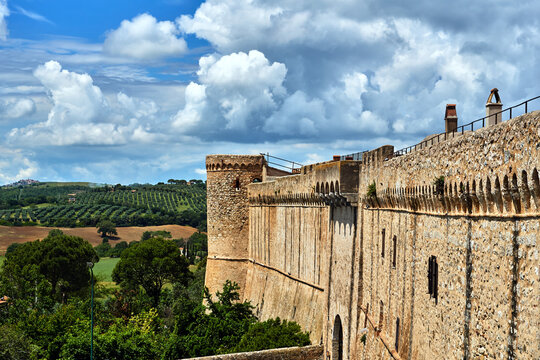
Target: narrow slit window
[[397, 335], [383, 234], [433, 278], [237, 184], [394, 253], [381, 316]]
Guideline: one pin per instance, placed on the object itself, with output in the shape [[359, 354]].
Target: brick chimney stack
[[493, 108], [450, 118]]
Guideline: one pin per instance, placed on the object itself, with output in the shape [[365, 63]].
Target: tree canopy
[[151, 264], [106, 228], [226, 325], [58, 262]]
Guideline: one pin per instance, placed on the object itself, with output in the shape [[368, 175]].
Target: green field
[[104, 268]]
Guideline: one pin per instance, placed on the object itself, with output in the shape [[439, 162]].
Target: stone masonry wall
[[228, 217], [287, 274], [291, 240], [309, 247], [483, 229]]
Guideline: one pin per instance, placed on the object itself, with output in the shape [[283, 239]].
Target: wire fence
[[474, 125]]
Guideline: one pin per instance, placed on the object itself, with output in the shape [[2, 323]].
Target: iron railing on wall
[[354, 156], [476, 124], [291, 166]]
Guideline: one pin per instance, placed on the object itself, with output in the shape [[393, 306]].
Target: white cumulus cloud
[[14, 108], [4, 13], [81, 113], [15, 165], [235, 91], [145, 38], [377, 70], [242, 97]]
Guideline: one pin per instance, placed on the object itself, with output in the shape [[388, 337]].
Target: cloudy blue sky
[[140, 91]]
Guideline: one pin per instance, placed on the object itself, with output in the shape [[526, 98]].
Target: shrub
[[372, 190], [272, 334]]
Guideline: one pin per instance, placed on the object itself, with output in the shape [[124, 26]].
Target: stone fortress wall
[[415, 271]]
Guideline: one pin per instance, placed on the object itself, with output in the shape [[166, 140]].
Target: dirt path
[[21, 234]]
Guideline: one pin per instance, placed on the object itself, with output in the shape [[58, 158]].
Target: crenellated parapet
[[511, 194], [310, 199], [329, 183], [493, 171], [234, 162]]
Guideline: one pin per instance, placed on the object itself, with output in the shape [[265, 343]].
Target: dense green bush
[[226, 325], [57, 263], [272, 334], [138, 338]]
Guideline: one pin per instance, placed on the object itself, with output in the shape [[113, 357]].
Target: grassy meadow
[[103, 269]]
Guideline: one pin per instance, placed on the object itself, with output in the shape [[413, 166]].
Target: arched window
[[256, 180], [337, 340]]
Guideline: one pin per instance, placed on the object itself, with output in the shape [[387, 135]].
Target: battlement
[[491, 171], [323, 183], [234, 162]]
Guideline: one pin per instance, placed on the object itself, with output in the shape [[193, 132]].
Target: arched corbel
[[514, 192], [507, 197], [497, 194], [525, 192]]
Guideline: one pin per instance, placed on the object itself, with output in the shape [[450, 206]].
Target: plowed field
[[21, 234]]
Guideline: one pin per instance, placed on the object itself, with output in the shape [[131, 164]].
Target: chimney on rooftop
[[450, 118], [493, 108]]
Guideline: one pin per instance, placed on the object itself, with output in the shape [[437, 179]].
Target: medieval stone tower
[[228, 216]]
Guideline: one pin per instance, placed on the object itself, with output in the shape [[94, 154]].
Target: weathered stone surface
[[314, 352], [309, 247]]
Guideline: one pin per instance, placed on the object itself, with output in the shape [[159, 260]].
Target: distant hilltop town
[[23, 182]]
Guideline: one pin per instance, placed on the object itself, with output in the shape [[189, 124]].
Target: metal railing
[[480, 123], [354, 156], [288, 165]]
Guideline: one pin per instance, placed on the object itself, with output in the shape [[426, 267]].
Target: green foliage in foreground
[[39, 323], [228, 326], [272, 334], [131, 340]]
